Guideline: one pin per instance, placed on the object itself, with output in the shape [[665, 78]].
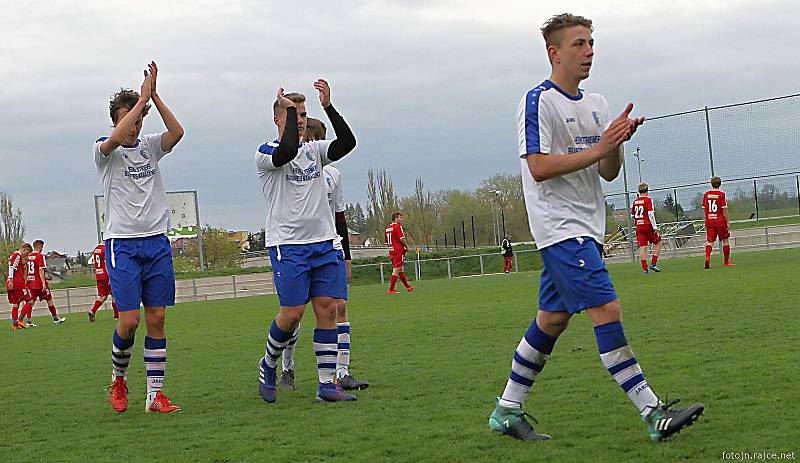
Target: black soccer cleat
[[349, 383]]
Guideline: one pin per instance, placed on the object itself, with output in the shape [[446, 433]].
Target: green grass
[[436, 358]]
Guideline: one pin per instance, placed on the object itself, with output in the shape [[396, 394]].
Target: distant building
[[239, 238], [56, 262], [356, 239], [184, 247]]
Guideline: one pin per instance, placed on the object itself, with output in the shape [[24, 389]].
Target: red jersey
[[16, 270], [394, 233], [713, 203], [32, 278], [639, 211], [99, 253]]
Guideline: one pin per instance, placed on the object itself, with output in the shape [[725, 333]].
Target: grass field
[[436, 358]]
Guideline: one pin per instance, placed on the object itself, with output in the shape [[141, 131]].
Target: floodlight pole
[[199, 233], [628, 206]]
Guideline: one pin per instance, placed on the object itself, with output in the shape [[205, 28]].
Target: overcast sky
[[430, 88]]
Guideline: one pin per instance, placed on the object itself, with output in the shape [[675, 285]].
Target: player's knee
[[552, 323], [606, 313], [341, 312], [155, 319]]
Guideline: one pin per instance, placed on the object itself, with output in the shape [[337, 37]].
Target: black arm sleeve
[[341, 230], [345, 140], [290, 141]]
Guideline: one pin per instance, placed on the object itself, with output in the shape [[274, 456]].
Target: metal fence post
[[383, 282], [710, 149], [516, 264], [797, 180], [675, 199], [233, 279], [449, 270], [69, 303], [631, 250], [755, 197], [480, 257], [766, 236], [194, 289]]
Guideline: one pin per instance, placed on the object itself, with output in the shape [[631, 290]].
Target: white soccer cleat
[[31, 325], [59, 321]]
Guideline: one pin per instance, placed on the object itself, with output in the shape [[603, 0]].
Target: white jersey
[[333, 183], [296, 195], [136, 203], [555, 123]]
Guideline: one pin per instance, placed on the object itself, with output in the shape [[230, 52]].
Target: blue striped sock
[[276, 342], [618, 358], [120, 354], [325, 350], [288, 351], [529, 359], [343, 351], [155, 362]]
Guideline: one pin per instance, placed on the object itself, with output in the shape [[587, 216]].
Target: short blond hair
[[294, 97], [560, 22]]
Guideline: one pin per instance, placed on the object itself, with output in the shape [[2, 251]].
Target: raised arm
[[345, 140], [174, 131], [133, 117]]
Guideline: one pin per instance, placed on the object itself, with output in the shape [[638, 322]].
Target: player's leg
[[158, 292], [27, 309], [643, 257], [617, 356], [287, 362], [395, 272], [52, 307], [114, 305], [402, 275], [16, 323], [726, 248], [343, 376], [101, 299], [529, 360], [656, 240], [711, 237], [292, 279], [327, 287]]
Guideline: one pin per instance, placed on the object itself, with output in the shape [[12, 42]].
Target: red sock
[[14, 313], [392, 282], [726, 251], [402, 276], [116, 310], [27, 311], [655, 259], [708, 251], [96, 306], [644, 264], [53, 311]]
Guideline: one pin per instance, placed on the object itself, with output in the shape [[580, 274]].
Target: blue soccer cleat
[[266, 382], [654, 268], [331, 392]]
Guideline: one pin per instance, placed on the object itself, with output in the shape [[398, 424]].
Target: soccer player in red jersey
[[396, 240], [717, 222], [37, 284], [646, 228], [103, 285], [15, 285]]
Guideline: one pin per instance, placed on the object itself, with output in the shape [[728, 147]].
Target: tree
[[420, 214], [382, 203], [257, 241], [219, 251], [12, 230], [355, 217]]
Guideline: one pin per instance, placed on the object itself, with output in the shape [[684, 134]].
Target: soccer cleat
[[409, 288], [287, 380], [729, 264], [59, 320], [665, 421], [22, 324], [654, 268], [118, 394], [91, 316], [331, 392], [707, 265], [266, 382], [15, 327], [348, 383], [645, 271], [31, 325], [393, 291], [160, 403], [513, 422]]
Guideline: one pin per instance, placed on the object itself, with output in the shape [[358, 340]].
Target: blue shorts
[[303, 271], [574, 277], [140, 271]]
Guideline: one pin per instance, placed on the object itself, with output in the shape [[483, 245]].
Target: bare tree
[[382, 202], [12, 230]]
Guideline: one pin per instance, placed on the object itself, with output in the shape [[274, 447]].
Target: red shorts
[[645, 236], [41, 294], [17, 296], [103, 288], [717, 231], [397, 258]]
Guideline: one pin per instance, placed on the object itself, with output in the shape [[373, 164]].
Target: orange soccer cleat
[[160, 404], [392, 291], [729, 264], [118, 394]]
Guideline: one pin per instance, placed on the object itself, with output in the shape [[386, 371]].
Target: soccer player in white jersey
[[138, 257], [567, 140], [315, 130], [301, 237]]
